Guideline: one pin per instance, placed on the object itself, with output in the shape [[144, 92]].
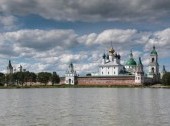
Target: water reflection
[[85, 107]]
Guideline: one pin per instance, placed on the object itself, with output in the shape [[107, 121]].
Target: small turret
[[163, 71], [9, 68], [107, 58], [104, 58], [20, 68]]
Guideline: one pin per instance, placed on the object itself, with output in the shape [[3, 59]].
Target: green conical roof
[[131, 62], [154, 52]]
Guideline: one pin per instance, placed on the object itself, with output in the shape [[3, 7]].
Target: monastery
[[112, 72]]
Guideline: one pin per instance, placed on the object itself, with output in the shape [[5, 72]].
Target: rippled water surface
[[85, 107]]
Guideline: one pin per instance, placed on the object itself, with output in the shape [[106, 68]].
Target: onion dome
[[154, 52], [131, 61], [111, 51], [118, 56], [104, 56]]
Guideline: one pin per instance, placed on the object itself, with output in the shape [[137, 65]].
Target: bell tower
[[153, 63]]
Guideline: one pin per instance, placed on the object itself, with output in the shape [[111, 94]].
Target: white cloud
[[108, 36], [51, 50], [89, 10], [8, 22]]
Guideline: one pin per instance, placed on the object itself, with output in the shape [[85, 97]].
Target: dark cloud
[[89, 10]]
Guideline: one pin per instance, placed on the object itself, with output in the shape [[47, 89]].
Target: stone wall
[[62, 80], [116, 80]]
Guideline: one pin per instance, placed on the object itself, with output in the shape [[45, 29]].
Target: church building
[[112, 72]]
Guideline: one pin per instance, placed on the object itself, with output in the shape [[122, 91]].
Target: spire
[[10, 65], [71, 68], [131, 54], [111, 50], [163, 69], [139, 66], [139, 61]]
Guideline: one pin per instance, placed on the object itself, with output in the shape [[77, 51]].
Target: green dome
[[154, 52], [131, 62]]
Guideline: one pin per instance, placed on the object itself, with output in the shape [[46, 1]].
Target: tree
[[33, 77], [55, 78], [2, 79], [166, 78], [88, 74], [44, 77], [9, 79], [19, 78]]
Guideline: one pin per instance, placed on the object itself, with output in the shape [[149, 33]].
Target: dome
[[111, 50], [154, 52], [131, 62], [104, 56]]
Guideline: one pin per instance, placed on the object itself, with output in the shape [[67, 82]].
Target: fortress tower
[[71, 75], [139, 74]]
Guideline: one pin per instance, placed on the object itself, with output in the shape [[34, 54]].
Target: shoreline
[[83, 86]]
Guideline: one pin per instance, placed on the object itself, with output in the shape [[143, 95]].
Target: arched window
[[153, 70], [69, 81], [153, 60]]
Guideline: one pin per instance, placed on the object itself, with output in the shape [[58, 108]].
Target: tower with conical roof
[[153, 65], [139, 74], [9, 68], [163, 71], [70, 75]]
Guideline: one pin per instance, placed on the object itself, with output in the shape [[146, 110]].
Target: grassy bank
[[68, 86], [83, 86]]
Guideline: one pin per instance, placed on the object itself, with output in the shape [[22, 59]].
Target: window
[[108, 67], [114, 72], [153, 70], [102, 72], [108, 73], [153, 60]]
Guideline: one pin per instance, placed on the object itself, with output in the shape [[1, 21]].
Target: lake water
[[85, 107]]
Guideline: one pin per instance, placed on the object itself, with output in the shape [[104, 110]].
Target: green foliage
[[55, 78], [44, 77], [88, 74], [2, 79], [9, 79], [166, 78]]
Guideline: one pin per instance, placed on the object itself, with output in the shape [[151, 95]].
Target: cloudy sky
[[46, 35]]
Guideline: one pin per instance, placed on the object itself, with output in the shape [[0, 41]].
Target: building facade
[[112, 72]]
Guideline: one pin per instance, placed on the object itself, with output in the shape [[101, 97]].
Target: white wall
[[110, 70]]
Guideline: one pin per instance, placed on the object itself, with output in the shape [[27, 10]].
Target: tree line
[[21, 78]]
